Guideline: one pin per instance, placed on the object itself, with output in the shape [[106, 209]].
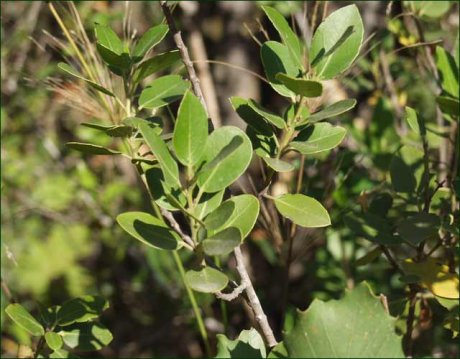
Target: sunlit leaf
[[303, 210]]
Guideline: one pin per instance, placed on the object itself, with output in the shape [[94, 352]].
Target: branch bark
[[249, 289]]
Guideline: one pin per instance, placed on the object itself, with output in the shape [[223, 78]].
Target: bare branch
[[174, 225], [234, 294]]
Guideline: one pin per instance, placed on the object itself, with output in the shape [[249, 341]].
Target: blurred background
[[59, 237]]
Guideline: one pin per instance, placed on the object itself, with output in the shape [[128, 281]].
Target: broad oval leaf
[[149, 230], [333, 110], [89, 336], [433, 9], [288, 36], [208, 203], [206, 280], [163, 91], [24, 319], [91, 149], [81, 309], [222, 242], [160, 150], [53, 340], [336, 42], [272, 118], [249, 344], [157, 63], [303, 210], [418, 228], [277, 58], [278, 165], [302, 87], [318, 137], [148, 40], [356, 326], [70, 70], [190, 130], [402, 176], [239, 211], [227, 154]]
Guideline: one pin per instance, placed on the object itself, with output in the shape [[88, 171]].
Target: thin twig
[[234, 294], [254, 302], [174, 225]]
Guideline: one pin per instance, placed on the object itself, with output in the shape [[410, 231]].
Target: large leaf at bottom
[[356, 326], [249, 344], [149, 230]]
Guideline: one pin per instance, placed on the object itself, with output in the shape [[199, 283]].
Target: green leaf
[[91, 149], [303, 210], [249, 344], [163, 91], [278, 165], [149, 230], [222, 242], [373, 228], [148, 40], [24, 319], [89, 336], [448, 105], [208, 203], [336, 42], [108, 38], [227, 154], [239, 211], [70, 70], [318, 137], [418, 228], [276, 58], [272, 118], [413, 121], [190, 131], [160, 190], [402, 176], [356, 326], [53, 340], [206, 280], [448, 72], [279, 351], [333, 110], [288, 36], [81, 309], [302, 87], [432, 9], [117, 63], [160, 150], [157, 63]]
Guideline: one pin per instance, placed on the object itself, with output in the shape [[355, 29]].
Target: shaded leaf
[[303, 210], [222, 242], [149, 230], [402, 176], [433, 9], [333, 110], [89, 336], [159, 189], [206, 280], [336, 42], [356, 326], [448, 105], [227, 154], [81, 309], [163, 91], [302, 87], [91, 149], [157, 63], [24, 319], [373, 228], [419, 228], [272, 118], [318, 137], [249, 344], [208, 203], [190, 130], [108, 38], [276, 58]]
